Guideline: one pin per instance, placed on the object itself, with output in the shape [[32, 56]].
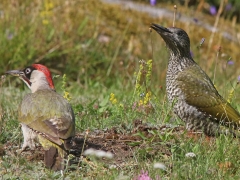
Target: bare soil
[[123, 145]]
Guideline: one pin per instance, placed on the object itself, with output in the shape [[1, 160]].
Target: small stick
[[216, 61], [174, 14]]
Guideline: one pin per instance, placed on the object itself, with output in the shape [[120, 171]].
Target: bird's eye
[[179, 33], [28, 70]]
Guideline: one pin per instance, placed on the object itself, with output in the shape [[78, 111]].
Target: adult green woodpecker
[[45, 116]]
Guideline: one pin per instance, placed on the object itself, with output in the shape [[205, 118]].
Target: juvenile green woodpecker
[[196, 100], [45, 116]]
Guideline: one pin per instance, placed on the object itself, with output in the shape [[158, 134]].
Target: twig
[[219, 49], [84, 143], [174, 14], [220, 10]]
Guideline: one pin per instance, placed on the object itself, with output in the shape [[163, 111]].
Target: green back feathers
[[198, 91], [48, 112]]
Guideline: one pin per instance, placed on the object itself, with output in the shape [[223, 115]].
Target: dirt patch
[[122, 144]]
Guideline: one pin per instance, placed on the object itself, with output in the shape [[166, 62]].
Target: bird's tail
[[54, 154], [54, 158], [229, 131]]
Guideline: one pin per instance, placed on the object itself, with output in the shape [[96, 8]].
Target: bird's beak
[[20, 74], [160, 29], [15, 72], [165, 33]]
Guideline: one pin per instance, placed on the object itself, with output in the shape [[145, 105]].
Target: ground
[[116, 140]]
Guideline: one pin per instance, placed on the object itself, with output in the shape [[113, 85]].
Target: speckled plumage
[[196, 100]]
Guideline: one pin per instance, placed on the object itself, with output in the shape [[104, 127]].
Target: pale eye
[[28, 70]]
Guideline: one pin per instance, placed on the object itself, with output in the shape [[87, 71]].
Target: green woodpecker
[[45, 115]]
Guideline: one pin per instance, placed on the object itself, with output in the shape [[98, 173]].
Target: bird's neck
[[178, 62], [39, 82]]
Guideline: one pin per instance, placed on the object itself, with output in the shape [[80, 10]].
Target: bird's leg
[[29, 137]]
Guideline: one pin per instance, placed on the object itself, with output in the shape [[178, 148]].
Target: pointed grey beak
[[21, 75], [14, 72], [160, 29]]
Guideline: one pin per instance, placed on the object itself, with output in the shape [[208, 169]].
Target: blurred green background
[[92, 41]]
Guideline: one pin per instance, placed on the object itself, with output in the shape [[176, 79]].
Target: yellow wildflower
[[147, 98], [45, 21], [48, 5], [47, 12], [67, 96], [149, 71], [140, 103], [113, 99]]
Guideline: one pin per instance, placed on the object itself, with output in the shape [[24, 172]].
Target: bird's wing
[[48, 113], [199, 92]]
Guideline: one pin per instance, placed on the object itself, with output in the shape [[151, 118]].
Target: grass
[[99, 48]]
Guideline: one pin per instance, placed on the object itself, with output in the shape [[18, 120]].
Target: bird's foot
[[29, 137]]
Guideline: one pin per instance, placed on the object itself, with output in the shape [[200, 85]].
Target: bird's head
[[176, 39], [36, 77]]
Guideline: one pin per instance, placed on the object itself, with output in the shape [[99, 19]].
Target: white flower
[[98, 153], [160, 166], [112, 166], [190, 155]]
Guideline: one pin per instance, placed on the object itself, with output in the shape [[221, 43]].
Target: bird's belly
[[187, 112], [194, 119]]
